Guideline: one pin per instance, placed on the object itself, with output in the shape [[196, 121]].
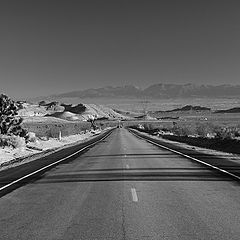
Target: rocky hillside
[[79, 112]]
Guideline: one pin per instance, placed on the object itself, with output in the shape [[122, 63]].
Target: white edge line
[[187, 156], [52, 164], [134, 195]]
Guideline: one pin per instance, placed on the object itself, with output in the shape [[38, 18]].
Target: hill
[[231, 110], [191, 90], [108, 91], [157, 91], [79, 112], [190, 108]]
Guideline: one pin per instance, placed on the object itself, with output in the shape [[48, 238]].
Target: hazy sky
[[54, 46]]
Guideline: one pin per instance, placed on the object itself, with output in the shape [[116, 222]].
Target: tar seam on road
[[189, 157], [134, 195], [50, 165]]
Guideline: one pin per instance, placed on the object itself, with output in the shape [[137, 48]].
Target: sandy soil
[[39, 148]]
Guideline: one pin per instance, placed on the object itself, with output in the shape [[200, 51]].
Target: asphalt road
[[124, 188]]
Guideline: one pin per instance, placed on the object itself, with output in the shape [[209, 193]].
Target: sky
[[56, 46]]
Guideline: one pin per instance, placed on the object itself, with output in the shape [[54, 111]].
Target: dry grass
[[42, 129], [51, 129], [223, 136]]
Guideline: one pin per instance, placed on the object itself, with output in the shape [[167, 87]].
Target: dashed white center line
[[127, 166], [134, 195]]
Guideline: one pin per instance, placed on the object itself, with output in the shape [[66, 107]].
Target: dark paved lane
[[124, 188]]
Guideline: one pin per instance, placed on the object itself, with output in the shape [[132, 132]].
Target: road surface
[[124, 188]]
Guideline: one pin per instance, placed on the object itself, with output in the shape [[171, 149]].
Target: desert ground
[[57, 123]]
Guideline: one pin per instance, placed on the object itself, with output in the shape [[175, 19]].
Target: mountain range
[[160, 90]]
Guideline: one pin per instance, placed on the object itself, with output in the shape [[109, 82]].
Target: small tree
[[10, 123], [92, 119]]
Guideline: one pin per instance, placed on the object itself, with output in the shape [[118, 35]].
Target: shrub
[[12, 141], [225, 132], [148, 126], [181, 131], [17, 142], [204, 129], [237, 133], [201, 130], [31, 137], [4, 140]]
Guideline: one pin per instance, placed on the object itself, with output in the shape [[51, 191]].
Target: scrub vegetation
[[12, 132], [207, 135]]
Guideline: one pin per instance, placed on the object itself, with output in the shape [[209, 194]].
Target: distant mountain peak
[[158, 90]]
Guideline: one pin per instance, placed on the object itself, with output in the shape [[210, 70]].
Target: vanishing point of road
[[124, 188]]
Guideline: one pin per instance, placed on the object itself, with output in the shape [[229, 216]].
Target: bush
[[31, 137], [4, 140], [17, 142], [12, 141], [223, 133], [148, 126], [201, 130], [237, 133], [181, 130]]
